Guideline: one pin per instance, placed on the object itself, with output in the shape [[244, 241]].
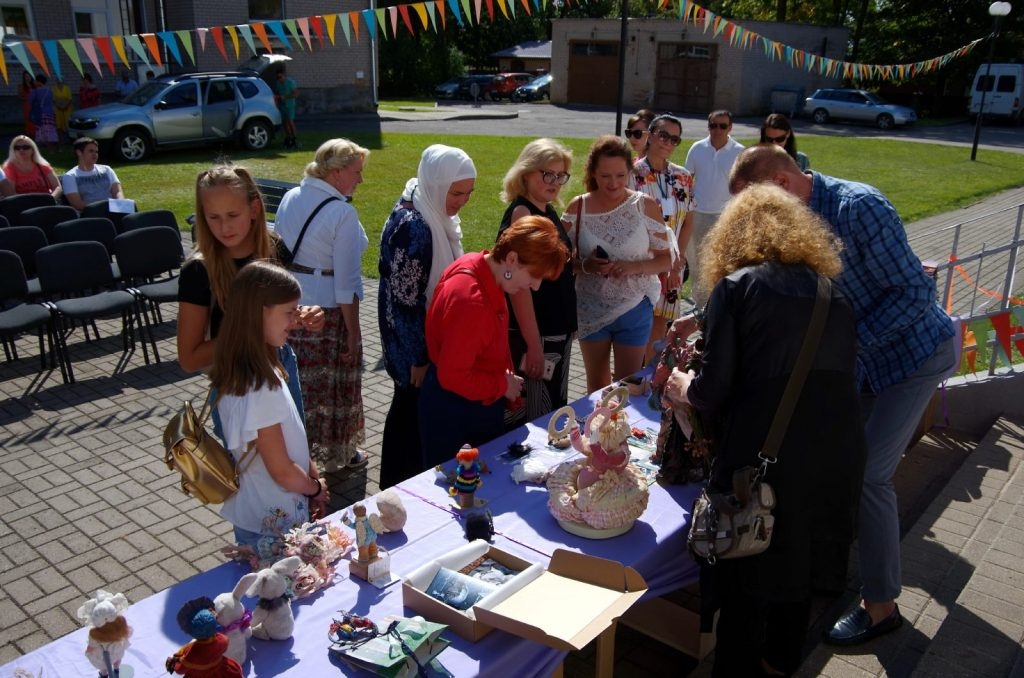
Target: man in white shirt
[[709, 161], [89, 181]]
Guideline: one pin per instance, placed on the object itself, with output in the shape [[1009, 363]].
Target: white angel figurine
[[108, 637]]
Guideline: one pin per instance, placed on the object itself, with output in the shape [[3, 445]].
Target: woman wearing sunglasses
[[776, 130], [27, 169], [637, 130], [672, 186], [543, 321]]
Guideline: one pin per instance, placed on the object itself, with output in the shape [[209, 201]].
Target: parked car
[[856, 104], [447, 90], [538, 88], [504, 84], [193, 108], [1003, 86], [483, 83]]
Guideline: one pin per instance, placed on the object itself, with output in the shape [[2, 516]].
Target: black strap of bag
[[770, 452], [309, 220]]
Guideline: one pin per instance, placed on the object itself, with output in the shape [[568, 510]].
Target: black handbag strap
[[302, 233], [770, 451]]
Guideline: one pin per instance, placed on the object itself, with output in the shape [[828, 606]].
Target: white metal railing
[[977, 265]]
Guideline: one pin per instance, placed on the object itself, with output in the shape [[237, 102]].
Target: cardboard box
[[564, 607]]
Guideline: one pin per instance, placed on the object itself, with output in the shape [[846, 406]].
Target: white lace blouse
[[627, 234]]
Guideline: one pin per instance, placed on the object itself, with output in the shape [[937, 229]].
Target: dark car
[[538, 88], [448, 89], [504, 84], [482, 83], [856, 104]]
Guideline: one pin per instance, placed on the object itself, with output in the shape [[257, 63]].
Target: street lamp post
[[997, 10]]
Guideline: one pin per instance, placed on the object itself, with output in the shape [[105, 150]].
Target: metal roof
[[531, 49]]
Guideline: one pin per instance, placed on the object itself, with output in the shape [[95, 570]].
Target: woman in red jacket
[[471, 375]]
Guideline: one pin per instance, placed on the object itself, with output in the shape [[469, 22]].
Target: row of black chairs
[[42, 210], [77, 281]]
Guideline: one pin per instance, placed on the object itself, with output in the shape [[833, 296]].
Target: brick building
[[676, 66], [332, 78]]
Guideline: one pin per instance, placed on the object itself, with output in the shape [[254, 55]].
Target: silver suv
[[184, 109], [856, 104]]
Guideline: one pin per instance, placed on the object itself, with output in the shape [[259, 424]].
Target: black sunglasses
[[719, 125], [635, 133], [776, 140], [23, 148], [668, 138], [560, 178]]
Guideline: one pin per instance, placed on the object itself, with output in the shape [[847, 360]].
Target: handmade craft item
[[602, 494], [467, 477], [273, 618], [391, 509], [234, 619], [203, 657], [109, 632]]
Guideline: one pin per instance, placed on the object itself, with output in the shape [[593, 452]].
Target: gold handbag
[[208, 472]]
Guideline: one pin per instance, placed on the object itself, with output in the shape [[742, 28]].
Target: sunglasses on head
[[23, 147], [560, 178], [668, 138], [635, 133], [777, 140], [719, 125]]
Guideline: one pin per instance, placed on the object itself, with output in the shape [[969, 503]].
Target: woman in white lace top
[[621, 247]]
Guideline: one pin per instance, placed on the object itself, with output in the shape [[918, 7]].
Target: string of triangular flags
[[301, 33]]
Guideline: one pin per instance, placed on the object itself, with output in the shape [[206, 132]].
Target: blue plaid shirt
[[899, 323]]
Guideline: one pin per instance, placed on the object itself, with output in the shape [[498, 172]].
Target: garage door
[[686, 77], [593, 73]]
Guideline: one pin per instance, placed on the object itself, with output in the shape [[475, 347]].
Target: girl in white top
[[621, 247], [279, 487]]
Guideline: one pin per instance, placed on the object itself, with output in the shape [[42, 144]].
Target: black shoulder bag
[[286, 255]]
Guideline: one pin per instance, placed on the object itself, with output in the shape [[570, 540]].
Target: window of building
[[15, 20], [263, 10]]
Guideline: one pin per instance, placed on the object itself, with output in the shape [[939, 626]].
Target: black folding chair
[[25, 241], [18, 316], [3, 222], [94, 229], [148, 259], [12, 206], [130, 222], [47, 217], [101, 208], [77, 275]]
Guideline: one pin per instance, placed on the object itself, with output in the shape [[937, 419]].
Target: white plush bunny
[[109, 632], [234, 618], [273, 618]]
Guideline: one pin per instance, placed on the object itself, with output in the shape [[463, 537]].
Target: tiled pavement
[[85, 500]]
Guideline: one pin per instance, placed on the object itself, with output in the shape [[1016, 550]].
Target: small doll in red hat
[[204, 656]]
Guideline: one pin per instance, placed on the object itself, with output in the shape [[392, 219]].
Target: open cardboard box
[[564, 607]]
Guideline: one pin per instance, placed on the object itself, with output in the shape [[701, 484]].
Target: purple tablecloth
[[655, 546]]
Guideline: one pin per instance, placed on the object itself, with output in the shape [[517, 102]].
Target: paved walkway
[[85, 499]]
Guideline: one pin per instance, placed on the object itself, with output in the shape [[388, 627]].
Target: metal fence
[[977, 265]]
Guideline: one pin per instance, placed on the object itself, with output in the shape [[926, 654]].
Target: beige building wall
[[743, 79]]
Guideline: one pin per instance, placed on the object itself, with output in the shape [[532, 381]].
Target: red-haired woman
[[471, 375]]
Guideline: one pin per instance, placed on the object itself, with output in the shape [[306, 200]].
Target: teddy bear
[[273, 618], [234, 619], [108, 637], [203, 657]]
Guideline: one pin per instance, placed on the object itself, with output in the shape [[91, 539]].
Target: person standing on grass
[[327, 263], [89, 94], [286, 95], [63, 104], [44, 113], [905, 348], [709, 161]]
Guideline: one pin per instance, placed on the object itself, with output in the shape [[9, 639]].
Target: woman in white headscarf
[[420, 239]]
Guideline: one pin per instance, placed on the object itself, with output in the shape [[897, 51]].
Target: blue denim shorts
[[632, 328]]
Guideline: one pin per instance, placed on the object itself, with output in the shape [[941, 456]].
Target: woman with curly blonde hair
[[762, 261]]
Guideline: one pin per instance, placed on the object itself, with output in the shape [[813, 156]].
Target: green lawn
[[920, 179]]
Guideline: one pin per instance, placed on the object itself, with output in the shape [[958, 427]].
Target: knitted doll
[[204, 656], [109, 633], [467, 476]]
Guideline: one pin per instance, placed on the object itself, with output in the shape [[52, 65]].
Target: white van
[[1006, 99]]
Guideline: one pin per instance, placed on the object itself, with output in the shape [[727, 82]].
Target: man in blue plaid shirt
[[905, 348]]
